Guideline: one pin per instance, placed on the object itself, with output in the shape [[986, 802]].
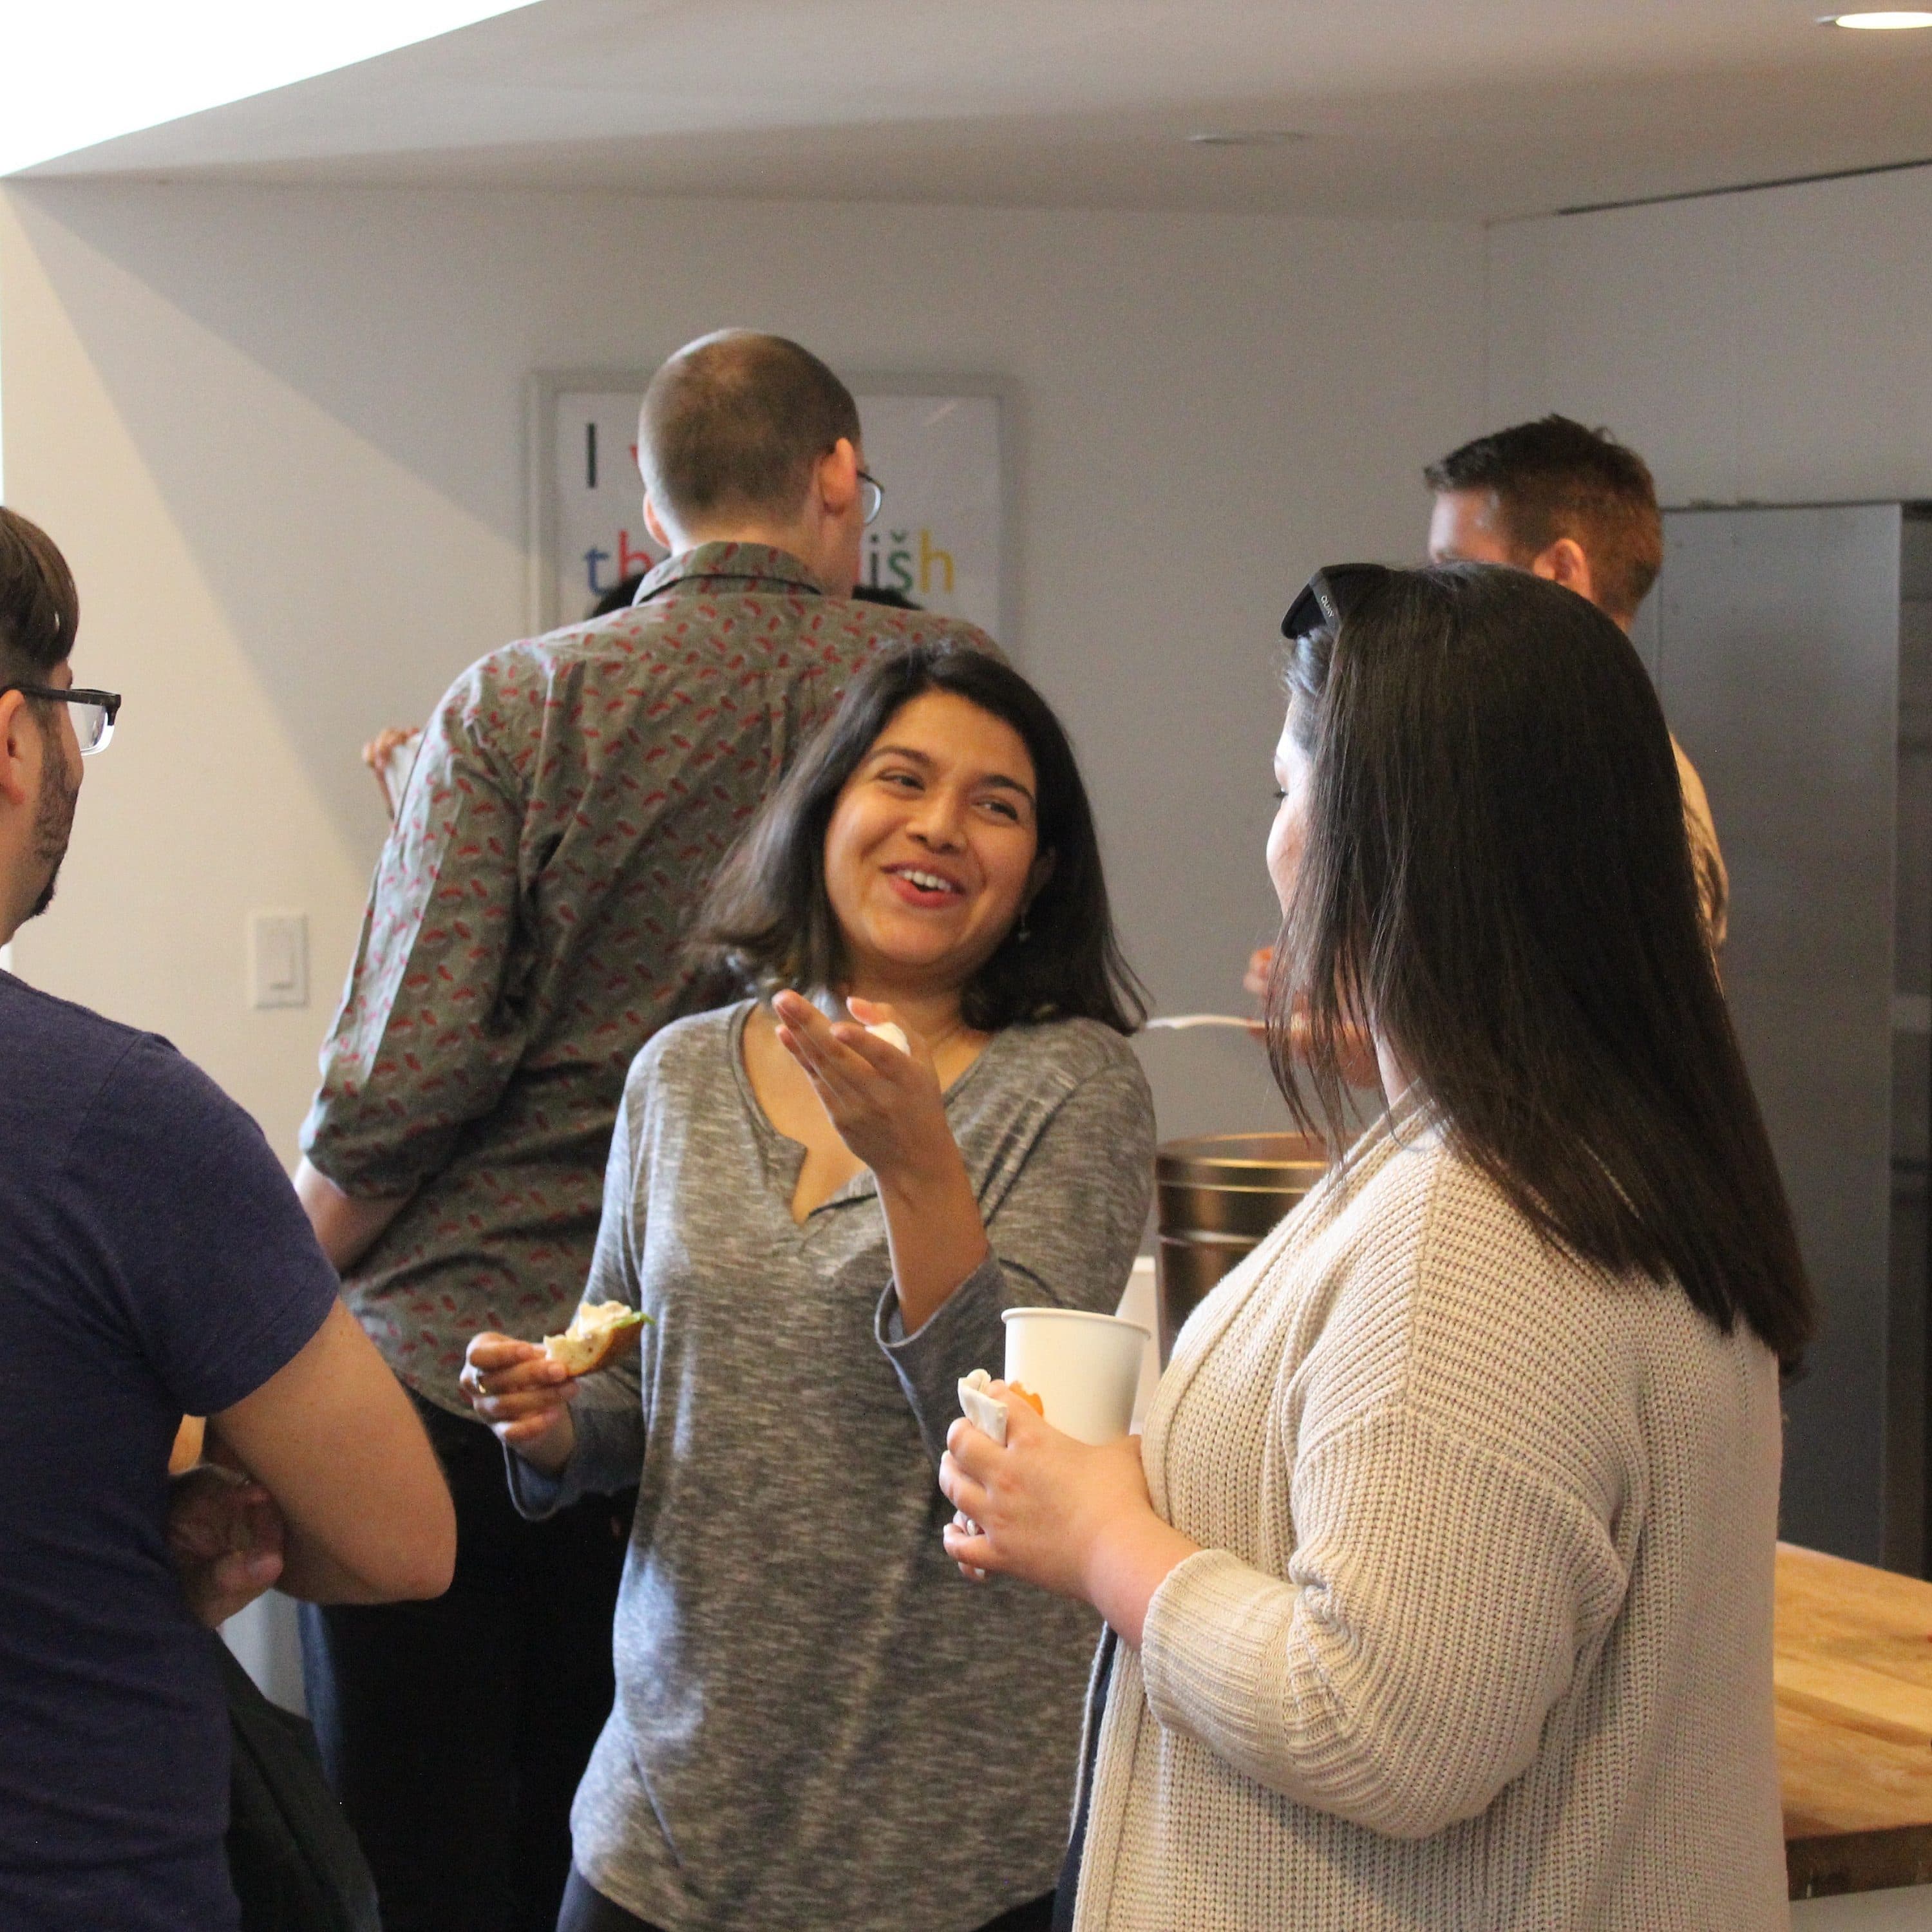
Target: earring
[[1022, 932]]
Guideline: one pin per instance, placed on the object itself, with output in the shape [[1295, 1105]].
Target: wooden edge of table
[[1854, 1764], [1842, 1862]]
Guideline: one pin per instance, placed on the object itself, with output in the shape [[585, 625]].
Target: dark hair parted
[[768, 921], [1495, 870], [1553, 478], [733, 422], [39, 608]]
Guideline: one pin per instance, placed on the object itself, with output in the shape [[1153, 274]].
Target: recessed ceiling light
[[1250, 137], [1878, 22]]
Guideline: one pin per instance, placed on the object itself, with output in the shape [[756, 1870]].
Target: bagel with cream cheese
[[599, 1332]]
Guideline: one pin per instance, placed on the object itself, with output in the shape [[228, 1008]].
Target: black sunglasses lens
[[1329, 595], [1304, 614]]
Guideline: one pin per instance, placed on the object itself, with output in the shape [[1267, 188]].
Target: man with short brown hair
[[573, 795], [730, 428], [153, 1263], [1575, 505]]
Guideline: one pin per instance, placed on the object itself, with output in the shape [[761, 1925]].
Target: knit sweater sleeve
[[1438, 1598]]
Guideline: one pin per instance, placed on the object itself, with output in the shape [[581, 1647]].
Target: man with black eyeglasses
[[154, 1263], [44, 837]]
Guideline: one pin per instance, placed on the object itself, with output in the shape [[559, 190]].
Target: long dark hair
[[767, 922], [1496, 870]]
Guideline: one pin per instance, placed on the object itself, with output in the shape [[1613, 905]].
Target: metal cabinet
[[1792, 648]]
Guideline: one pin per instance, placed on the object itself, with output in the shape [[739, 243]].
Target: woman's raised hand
[[887, 1105], [890, 1110], [523, 1396]]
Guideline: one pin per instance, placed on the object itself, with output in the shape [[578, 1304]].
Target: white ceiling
[[85, 71], [1486, 108]]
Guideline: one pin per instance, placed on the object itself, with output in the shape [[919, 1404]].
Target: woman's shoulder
[[1055, 1078], [1070, 1051], [1444, 1242], [1478, 1319], [693, 1050]]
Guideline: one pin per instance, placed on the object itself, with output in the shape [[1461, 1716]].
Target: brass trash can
[[1218, 1195]]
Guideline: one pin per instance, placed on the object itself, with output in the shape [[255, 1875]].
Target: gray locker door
[[1777, 659]]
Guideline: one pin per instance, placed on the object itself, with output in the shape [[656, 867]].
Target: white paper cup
[[1085, 1368]]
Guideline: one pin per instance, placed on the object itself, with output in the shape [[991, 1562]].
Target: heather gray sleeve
[[609, 1408], [1064, 1234]]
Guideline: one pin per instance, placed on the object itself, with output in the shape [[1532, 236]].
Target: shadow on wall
[[326, 389], [362, 537]]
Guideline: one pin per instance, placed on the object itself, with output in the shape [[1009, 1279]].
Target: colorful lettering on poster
[[890, 559], [908, 561], [629, 562]]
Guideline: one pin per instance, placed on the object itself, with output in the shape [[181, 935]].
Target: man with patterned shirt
[[572, 797]]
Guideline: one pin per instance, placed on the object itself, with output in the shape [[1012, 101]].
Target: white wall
[[279, 433], [1774, 346]]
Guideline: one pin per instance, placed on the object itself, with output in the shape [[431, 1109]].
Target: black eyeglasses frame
[[107, 702]]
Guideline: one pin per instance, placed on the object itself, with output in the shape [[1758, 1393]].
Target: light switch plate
[[278, 958]]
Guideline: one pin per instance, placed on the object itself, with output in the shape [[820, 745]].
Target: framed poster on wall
[[937, 446]]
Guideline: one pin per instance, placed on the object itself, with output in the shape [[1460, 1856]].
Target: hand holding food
[[524, 1394], [1035, 1500], [1071, 1518], [1356, 1048], [987, 1413]]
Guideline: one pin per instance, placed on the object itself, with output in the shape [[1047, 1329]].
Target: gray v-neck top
[[819, 1725]]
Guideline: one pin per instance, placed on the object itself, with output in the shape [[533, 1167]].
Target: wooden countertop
[[1853, 1668]]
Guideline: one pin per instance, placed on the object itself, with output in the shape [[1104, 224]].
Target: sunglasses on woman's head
[[1329, 595]]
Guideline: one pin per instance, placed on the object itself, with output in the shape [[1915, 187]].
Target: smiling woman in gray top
[[824, 1230]]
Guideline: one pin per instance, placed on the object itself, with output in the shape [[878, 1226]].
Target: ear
[[1566, 563], [655, 524], [20, 751], [1042, 870], [834, 480]]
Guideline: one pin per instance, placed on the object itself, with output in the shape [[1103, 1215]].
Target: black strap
[[293, 1861], [1069, 1887]]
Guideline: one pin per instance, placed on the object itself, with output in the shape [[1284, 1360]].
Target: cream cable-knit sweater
[[1479, 1633]]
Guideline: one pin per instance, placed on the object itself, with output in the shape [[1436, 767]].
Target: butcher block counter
[[1854, 1676]]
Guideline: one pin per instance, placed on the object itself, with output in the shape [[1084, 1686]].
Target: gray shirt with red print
[[573, 795]]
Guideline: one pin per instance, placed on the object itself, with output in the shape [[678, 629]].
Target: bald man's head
[[732, 424]]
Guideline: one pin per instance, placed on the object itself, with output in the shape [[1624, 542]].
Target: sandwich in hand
[[598, 1333]]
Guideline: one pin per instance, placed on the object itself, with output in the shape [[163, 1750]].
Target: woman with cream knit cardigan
[[1439, 1589]]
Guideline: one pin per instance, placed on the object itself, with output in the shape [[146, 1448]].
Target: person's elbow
[[1415, 1787], [417, 1558], [430, 1563], [1416, 1813], [430, 1556], [436, 1561]]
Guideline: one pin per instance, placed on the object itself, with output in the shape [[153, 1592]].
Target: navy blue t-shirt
[[153, 1262]]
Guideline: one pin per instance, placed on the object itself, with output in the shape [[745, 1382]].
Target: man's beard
[[53, 826]]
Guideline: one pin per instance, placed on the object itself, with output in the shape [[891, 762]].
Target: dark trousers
[[454, 1733], [587, 1910]]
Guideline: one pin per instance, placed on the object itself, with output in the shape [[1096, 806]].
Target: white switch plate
[[278, 958]]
